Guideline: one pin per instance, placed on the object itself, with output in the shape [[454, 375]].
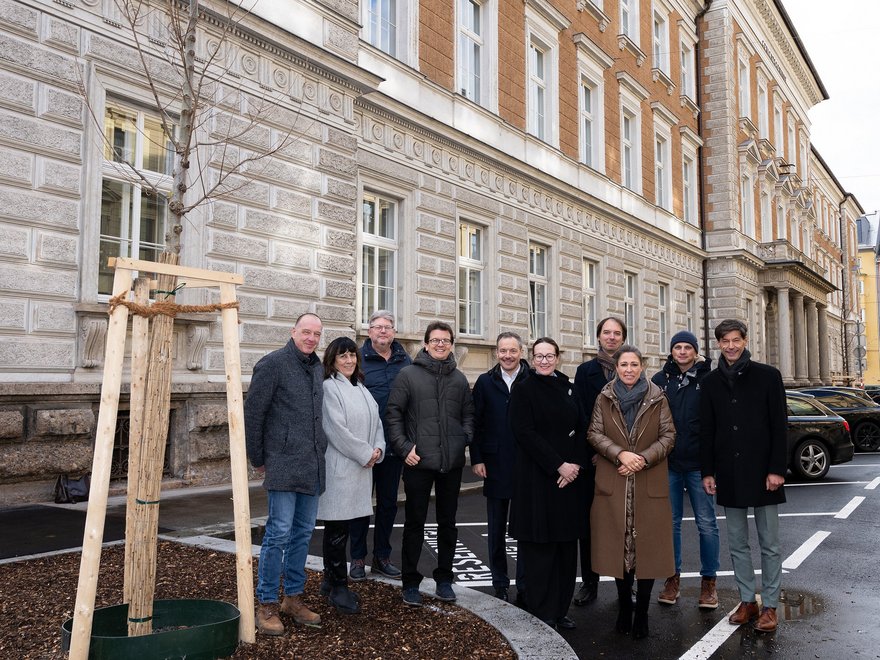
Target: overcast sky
[[842, 39]]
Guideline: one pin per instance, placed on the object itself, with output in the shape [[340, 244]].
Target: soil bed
[[37, 596]]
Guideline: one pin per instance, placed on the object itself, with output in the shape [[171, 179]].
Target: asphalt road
[[830, 533]]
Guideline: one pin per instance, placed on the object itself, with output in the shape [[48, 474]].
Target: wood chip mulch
[[37, 596]]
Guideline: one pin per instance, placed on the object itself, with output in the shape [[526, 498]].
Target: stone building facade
[[868, 230], [779, 228], [527, 165]]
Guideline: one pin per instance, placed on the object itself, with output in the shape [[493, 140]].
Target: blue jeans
[[703, 505], [289, 528], [767, 524]]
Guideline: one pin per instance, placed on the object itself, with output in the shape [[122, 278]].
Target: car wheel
[[810, 460], [867, 436]]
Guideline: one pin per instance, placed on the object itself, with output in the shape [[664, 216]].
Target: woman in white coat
[[355, 442]]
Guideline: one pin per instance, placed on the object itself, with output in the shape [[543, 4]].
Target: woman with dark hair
[[355, 443], [549, 500], [632, 431]]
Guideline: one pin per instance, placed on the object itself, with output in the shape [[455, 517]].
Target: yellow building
[[868, 282]]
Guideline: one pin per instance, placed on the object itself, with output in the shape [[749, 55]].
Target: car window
[[803, 408], [839, 400]]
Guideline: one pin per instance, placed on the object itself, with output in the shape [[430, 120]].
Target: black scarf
[[730, 372], [606, 361], [630, 399]]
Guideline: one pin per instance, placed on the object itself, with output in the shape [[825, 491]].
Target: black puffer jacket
[[430, 408], [683, 393]]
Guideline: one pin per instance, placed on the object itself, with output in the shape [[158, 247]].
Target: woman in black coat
[[548, 510]]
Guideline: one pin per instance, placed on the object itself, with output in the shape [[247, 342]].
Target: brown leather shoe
[[671, 590], [294, 606], [268, 621], [708, 595], [767, 622], [744, 613]]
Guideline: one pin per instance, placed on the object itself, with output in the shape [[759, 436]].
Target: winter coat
[[683, 393], [353, 430], [589, 379], [549, 428], [743, 434], [379, 373], [493, 438], [653, 433], [430, 408], [282, 420]]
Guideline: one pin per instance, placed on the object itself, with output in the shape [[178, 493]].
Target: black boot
[[624, 603], [344, 600], [643, 599]]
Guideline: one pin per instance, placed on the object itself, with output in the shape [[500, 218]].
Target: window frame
[[466, 266], [663, 166], [589, 279], [542, 36], [660, 43], [744, 92], [539, 282], [690, 310], [377, 242], [778, 130], [628, 17], [763, 108], [631, 304], [664, 304], [747, 205], [488, 59], [405, 42], [688, 68]]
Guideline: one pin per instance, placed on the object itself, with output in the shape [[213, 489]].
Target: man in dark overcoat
[[743, 427], [285, 440], [493, 453], [589, 379]]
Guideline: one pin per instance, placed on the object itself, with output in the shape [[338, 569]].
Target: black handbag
[[70, 490]]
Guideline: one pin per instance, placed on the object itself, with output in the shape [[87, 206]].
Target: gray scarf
[[630, 399]]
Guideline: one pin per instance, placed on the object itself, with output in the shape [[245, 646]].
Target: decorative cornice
[[748, 127], [687, 133], [633, 85], [552, 15], [687, 102], [625, 43], [590, 48], [590, 7], [664, 113], [660, 75]]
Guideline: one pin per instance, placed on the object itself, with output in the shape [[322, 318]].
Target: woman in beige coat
[[631, 519]]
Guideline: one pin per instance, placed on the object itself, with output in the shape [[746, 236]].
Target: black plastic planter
[[191, 629]]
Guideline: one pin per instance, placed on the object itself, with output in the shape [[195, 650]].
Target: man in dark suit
[[743, 428], [285, 440], [493, 453], [589, 380]]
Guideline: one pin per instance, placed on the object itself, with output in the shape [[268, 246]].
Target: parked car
[[863, 416], [854, 391], [873, 391], [817, 437]]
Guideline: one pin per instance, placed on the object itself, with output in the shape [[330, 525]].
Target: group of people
[[592, 469]]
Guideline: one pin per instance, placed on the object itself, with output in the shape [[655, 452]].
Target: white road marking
[[827, 483], [843, 514], [798, 556], [712, 640], [873, 484]]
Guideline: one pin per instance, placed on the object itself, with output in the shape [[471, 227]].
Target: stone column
[[800, 338], [812, 342], [824, 365], [784, 333]]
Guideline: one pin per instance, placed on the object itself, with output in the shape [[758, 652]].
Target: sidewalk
[[198, 515]]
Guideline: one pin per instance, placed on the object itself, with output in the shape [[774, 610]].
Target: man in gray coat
[[286, 441]]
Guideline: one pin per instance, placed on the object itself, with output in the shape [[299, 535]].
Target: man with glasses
[[382, 358], [430, 417]]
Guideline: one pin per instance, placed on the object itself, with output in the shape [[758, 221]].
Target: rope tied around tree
[[165, 307]]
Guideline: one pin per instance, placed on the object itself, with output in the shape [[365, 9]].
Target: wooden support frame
[[110, 389]]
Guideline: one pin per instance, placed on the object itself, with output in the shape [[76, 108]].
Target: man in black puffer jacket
[[680, 379], [430, 417]]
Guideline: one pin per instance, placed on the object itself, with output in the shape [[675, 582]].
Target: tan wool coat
[[649, 524]]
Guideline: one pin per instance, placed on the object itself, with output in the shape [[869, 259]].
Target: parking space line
[[843, 514], [796, 558], [712, 640], [873, 484]]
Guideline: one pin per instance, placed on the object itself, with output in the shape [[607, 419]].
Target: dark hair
[[509, 335], [545, 340], [729, 325], [611, 318], [337, 347], [439, 325], [628, 348]]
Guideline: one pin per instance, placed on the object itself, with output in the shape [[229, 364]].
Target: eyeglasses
[[382, 328], [545, 358], [439, 342]]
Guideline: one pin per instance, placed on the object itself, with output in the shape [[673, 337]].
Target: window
[[477, 56], [744, 96], [589, 127], [766, 220], [689, 188], [379, 254], [663, 316], [687, 70], [629, 19], [629, 148], [381, 25], [470, 279], [537, 290], [792, 148], [660, 43], [592, 63], [133, 219], [539, 110], [778, 136], [662, 178], [591, 270], [781, 223], [747, 210], [763, 116], [630, 304], [690, 309], [803, 169]]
